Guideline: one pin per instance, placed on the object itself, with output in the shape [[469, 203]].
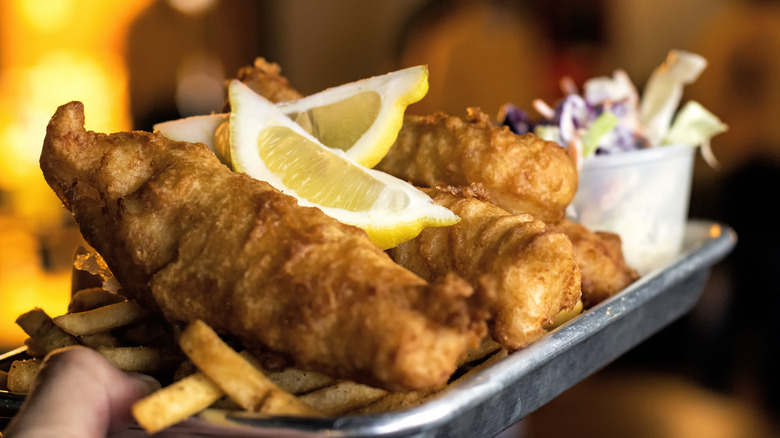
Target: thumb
[[78, 394]]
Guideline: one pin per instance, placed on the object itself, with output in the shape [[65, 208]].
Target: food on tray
[[241, 297], [266, 78], [634, 153], [185, 234], [210, 376], [531, 265], [268, 146], [21, 377], [442, 164], [357, 121], [360, 118], [176, 402], [609, 116], [521, 174], [46, 336], [600, 259], [236, 376]]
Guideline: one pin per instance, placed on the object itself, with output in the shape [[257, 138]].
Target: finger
[[78, 394]]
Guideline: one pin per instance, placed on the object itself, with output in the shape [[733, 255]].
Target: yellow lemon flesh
[[269, 146], [361, 118]]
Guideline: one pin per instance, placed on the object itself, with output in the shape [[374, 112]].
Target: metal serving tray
[[506, 392]]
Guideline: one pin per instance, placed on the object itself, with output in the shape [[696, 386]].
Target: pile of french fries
[[201, 372]]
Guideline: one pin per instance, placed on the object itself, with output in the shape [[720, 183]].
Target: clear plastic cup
[[641, 195]]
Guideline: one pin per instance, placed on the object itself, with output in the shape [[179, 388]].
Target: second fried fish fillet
[[521, 174], [599, 255], [531, 266], [195, 240], [266, 79]]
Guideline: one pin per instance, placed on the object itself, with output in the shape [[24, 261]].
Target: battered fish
[[521, 174], [188, 236], [600, 258], [531, 266], [266, 79]]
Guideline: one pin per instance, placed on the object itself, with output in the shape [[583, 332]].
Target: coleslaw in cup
[[634, 155]]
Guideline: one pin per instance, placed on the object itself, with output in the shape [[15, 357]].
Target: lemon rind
[[385, 228]]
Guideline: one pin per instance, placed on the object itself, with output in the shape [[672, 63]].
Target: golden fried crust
[[521, 174], [600, 258], [530, 267], [265, 79], [182, 231]]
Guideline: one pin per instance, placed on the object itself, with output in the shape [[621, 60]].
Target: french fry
[[35, 349], [486, 347], [92, 298], [296, 381], [396, 401], [101, 319], [103, 339], [291, 379], [150, 332], [497, 356], [564, 316], [22, 375], [176, 402], [342, 397], [41, 328], [139, 359], [236, 376]]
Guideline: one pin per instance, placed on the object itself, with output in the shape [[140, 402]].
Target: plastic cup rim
[[638, 156]]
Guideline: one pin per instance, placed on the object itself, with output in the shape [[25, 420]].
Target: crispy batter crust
[[521, 174], [183, 232], [266, 79], [530, 266], [600, 258]]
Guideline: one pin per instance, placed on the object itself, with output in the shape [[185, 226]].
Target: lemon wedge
[[362, 118], [269, 146]]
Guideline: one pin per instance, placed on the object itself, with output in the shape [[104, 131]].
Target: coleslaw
[[609, 116], [634, 155]]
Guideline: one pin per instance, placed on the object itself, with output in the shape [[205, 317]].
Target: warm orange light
[[49, 55], [715, 231]]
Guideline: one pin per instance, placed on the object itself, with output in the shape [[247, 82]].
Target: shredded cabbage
[[609, 117]]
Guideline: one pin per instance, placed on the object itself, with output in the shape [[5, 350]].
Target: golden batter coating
[[531, 267], [266, 79], [600, 258], [185, 234], [521, 174]]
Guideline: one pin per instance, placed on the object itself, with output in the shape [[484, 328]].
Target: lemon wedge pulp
[[269, 146], [362, 118]]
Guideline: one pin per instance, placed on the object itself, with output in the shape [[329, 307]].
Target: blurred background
[[710, 374]]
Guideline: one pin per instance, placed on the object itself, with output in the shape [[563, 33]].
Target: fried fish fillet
[[266, 79], [185, 234], [521, 174], [531, 266], [600, 258]]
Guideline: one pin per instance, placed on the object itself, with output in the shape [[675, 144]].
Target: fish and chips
[[237, 298]]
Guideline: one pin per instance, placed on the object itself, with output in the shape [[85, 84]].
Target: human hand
[[78, 394]]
